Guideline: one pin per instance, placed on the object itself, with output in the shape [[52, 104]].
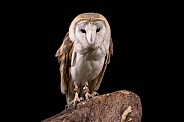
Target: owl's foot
[[74, 101], [76, 96], [87, 96], [94, 94], [86, 91]]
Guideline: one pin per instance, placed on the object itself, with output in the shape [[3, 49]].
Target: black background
[[37, 30]]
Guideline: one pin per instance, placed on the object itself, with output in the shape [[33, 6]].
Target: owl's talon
[[87, 96], [74, 101], [94, 94], [66, 106], [81, 98]]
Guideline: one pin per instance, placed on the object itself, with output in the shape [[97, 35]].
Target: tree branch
[[118, 106]]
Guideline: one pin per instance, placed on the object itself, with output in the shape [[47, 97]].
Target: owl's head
[[90, 30]]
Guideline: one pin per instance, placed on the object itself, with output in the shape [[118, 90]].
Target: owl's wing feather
[[97, 81], [64, 54]]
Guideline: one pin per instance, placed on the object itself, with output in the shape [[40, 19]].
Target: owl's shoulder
[[65, 48]]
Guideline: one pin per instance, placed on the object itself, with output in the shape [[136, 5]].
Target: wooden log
[[118, 106]]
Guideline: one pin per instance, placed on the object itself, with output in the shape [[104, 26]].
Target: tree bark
[[118, 106]]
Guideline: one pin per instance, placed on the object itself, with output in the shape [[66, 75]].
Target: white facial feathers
[[90, 34], [90, 30]]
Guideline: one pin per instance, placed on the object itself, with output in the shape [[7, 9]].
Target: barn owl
[[83, 56]]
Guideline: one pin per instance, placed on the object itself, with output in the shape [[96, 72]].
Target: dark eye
[[98, 29], [83, 31]]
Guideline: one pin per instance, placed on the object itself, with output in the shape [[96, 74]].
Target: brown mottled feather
[[64, 54]]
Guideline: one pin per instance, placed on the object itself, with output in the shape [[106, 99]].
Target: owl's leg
[[76, 97], [86, 91]]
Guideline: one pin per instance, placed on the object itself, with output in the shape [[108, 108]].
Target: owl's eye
[[83, 31], [98, 29]]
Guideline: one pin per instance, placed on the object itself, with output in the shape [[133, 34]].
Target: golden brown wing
[[95, 84], [64, 54]]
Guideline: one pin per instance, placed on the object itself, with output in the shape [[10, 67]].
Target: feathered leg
[[76, 96], [86, 92]]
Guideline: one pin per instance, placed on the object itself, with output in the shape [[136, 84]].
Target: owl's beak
[[90, 38], [90, 41]]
